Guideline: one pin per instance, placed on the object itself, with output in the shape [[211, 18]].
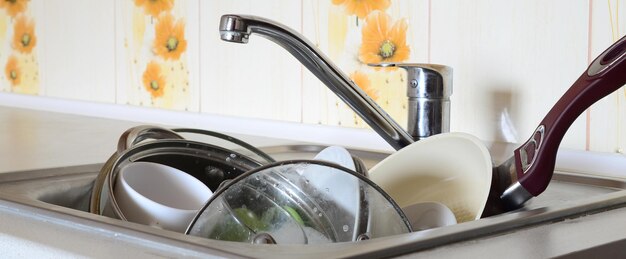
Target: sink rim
[[387, 246]]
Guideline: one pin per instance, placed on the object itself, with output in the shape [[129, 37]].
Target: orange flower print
[[363, 7], [170, 40], [24, 39], [12, 71], [14, 7], [153, 80], [155, 7], [361, 80], [383, 42]]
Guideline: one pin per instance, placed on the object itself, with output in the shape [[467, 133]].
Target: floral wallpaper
[[18, 45], [362, 32], [156, 60]]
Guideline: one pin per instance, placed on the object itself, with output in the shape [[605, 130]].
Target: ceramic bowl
[[158, 195]]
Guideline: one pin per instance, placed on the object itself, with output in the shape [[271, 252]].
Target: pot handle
[[137, 134], [535, 159]]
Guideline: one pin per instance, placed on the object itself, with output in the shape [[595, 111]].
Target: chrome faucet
[[237, 28]]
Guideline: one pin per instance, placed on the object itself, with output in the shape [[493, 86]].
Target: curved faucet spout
[[237, 28]]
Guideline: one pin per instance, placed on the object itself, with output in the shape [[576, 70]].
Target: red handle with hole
[[535, 159]]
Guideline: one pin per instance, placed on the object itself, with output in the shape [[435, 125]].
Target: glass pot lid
[[299, 202]]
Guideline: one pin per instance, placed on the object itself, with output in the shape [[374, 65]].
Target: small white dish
[[344, 187], [337, 155], [428, 215], [158, 195]]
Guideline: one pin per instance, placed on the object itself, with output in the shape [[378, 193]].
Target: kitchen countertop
[[32, 139], [36, 140]]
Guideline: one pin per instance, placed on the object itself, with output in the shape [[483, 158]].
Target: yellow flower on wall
[[24, 39], [12, 71], [155, 7], [170, 40], [153, 80], [361, 8], [383, 42], [363, 82], [14, 7]]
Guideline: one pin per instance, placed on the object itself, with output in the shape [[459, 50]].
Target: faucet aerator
[[235, 37], [234, 28]]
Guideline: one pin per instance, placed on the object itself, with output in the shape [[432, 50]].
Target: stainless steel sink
[[63, 193]]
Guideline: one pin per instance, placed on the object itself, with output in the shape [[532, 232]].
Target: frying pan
[[528, 171]]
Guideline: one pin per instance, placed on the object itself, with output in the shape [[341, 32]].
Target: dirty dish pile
[[161, 179]]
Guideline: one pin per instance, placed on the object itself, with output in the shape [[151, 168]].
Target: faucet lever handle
[[429, 87], [425, 80]]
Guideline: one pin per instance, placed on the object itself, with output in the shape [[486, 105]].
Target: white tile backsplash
[[512, 60], [76, 49], [608, 116], [258, 79]]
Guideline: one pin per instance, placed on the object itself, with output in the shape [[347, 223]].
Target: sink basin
[[63, 194]]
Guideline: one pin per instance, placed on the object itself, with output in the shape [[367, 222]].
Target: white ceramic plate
[[343, 187], [337, 155]]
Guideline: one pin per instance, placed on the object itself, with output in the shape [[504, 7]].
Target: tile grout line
[[199, 76], [615, 33], [588, 111], [115, 52], [617, 96], [429, 28], [301, 66]]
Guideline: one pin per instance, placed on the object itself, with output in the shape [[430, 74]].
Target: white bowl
[[451, 168], [158, 195], [428, 215]]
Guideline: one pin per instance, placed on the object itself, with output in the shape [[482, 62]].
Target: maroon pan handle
[[535, 159]]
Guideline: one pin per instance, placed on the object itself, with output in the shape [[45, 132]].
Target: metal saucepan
[[211, 164], [509, 185]]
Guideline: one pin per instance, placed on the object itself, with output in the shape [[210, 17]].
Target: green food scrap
[[250, 219], [240, 227], [230, 230], [246, 223], [294, 214]]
